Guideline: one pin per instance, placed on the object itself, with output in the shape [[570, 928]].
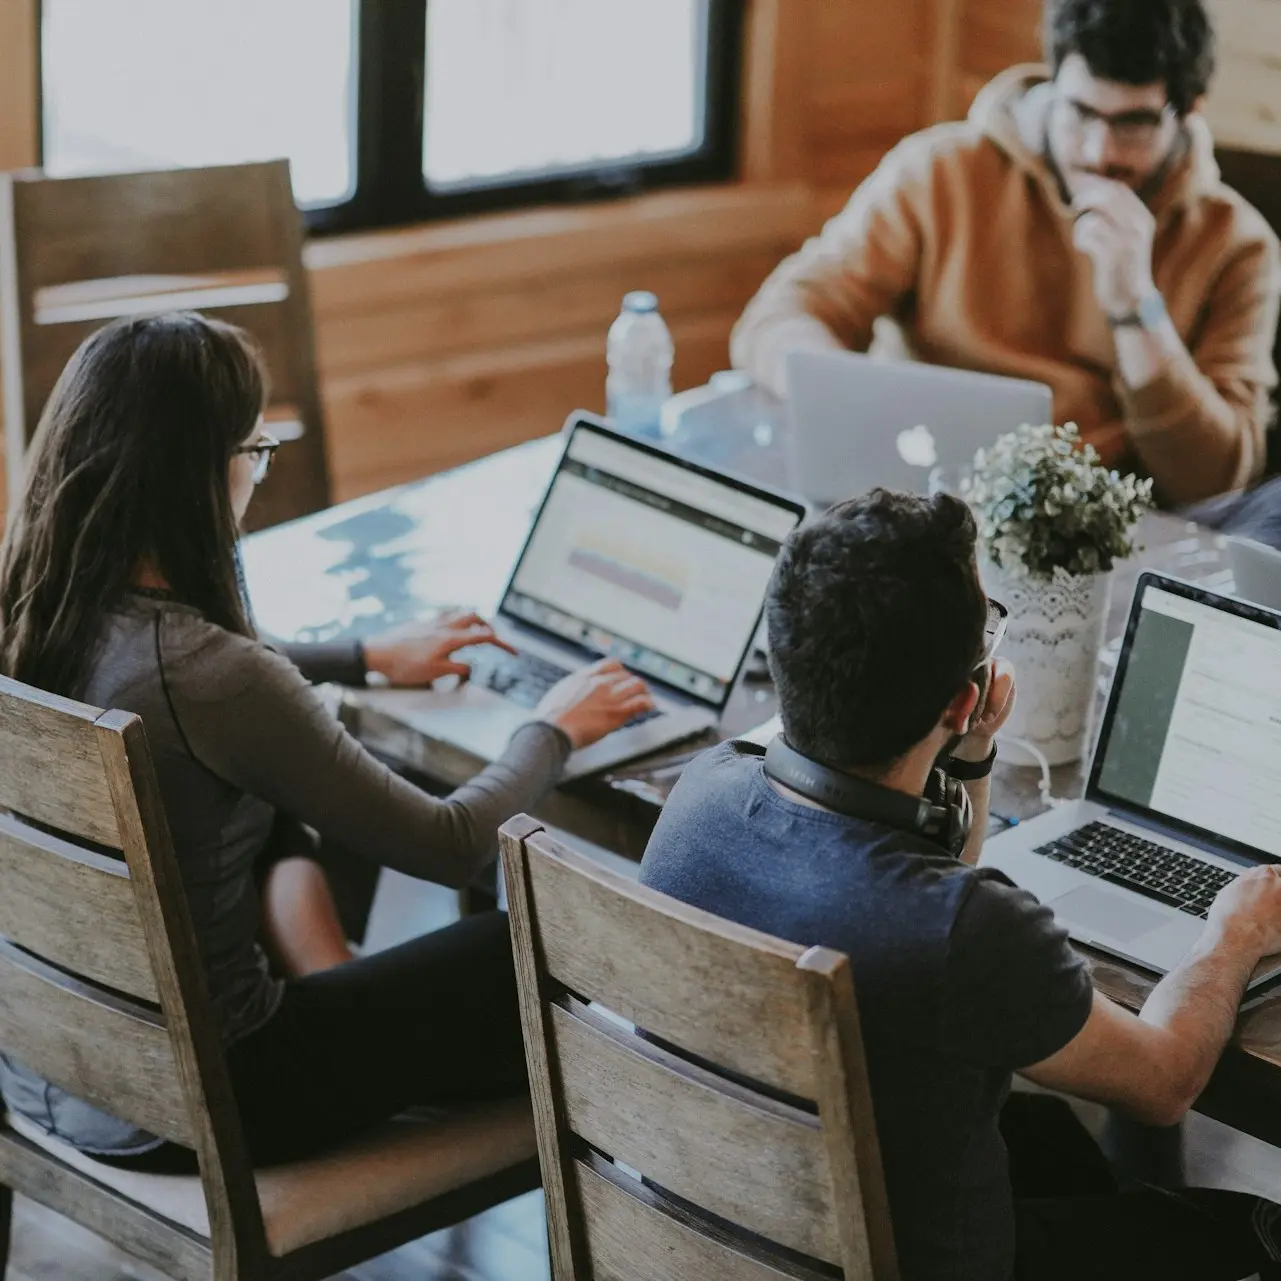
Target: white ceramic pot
[[1055, 631]]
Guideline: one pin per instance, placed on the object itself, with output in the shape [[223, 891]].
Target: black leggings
[[434, 1021], [1073, 1220]]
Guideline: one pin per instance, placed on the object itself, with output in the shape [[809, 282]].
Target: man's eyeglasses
[[263, 453], [1128, 128], [998, 618]]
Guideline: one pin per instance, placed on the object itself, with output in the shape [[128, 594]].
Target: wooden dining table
[[451, 539]]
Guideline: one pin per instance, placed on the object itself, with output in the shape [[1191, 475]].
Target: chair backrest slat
[[51, 767], [699, 1088], [73, 907], [735, 1153], [225, 241], [90, 225], [631, 1235], [269, 322], [611, 949], [101, 1048]]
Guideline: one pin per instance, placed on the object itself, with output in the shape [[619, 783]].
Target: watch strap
[[1148, 315], [971, 771]]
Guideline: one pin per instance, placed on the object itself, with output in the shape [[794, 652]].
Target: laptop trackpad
[[1114, 916]]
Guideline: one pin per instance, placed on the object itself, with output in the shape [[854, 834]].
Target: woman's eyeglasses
[[263, 453]]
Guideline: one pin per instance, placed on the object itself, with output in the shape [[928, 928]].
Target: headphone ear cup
[[936, 786], [960, 816], [951, 813]]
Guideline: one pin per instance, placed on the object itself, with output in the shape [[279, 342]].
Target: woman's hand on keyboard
[[595, 701], [420, 653]]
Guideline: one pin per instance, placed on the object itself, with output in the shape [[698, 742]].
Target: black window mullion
[[391, 40], [715, 160], [401, 135]]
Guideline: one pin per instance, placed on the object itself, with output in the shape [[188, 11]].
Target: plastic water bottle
[[639, 352]]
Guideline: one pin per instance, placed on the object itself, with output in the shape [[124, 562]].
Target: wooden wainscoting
[[993, 35], [866, 84], [438, 344]]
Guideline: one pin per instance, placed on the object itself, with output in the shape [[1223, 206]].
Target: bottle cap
[[640, 300]]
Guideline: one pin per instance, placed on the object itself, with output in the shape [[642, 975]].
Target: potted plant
[[1052, 522]]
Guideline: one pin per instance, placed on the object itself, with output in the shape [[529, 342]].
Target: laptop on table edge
[[1184, 788], [635, 553], [858, 422]]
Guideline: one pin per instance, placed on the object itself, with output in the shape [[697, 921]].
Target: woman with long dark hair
[[120, 586]]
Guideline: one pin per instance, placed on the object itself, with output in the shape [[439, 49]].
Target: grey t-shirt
[[960, 979], [236, 733]]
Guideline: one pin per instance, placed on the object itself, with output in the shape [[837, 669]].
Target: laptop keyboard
[[524, 678], [1153, 870]]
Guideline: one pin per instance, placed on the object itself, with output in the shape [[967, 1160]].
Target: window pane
[[146, 84], [534, 88]]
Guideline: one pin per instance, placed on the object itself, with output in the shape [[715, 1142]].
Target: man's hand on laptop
[[419, 653], [595, 701], [1246, 916], [1154, 1066]]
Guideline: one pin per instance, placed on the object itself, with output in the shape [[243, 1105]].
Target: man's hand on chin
[[1115, 230]]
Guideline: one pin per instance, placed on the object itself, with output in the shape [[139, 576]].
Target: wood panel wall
[[18, 129], [439, 345], [443, 342]]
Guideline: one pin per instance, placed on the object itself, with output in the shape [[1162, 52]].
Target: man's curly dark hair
[[1136, 42], [876, 619]]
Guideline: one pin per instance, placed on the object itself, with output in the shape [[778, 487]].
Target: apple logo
[[916, 446]]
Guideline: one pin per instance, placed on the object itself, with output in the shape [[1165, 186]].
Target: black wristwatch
[[970, 771]]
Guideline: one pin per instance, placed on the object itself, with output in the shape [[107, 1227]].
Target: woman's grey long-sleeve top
[[236, 733]]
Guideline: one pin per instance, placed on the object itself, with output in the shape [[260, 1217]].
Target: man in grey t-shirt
[[877, 635]]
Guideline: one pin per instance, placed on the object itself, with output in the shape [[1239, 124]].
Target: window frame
[[390, 188]]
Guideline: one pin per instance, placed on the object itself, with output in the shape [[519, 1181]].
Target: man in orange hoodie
[[1074, 230]]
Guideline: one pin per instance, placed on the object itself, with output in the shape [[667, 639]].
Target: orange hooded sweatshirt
[[962, 236]]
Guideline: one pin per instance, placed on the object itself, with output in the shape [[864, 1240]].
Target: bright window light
[[520, 89], [147, 84]]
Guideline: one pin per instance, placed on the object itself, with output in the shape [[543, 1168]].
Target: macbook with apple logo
[[858, 422]]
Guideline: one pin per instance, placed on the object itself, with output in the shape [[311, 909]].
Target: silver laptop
[[634, 553], [1185, 784], [1256, 572], [858, 423]]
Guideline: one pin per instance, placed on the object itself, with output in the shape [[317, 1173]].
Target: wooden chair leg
[[6, 1225]]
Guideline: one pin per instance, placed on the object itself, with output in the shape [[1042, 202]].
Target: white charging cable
[[1048, 799]]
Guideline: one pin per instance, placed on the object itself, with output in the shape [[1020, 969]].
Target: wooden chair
[[227, 241], [691, 1151], [102, 993]]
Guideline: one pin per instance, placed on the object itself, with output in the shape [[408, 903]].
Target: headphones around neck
[[943, 815]]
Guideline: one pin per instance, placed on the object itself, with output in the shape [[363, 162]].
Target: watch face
[[1152, 310]]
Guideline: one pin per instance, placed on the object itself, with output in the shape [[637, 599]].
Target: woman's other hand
[[420, 653], [595, 701]]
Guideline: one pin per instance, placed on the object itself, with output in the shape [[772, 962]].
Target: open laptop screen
[[651, 560], [1193, 733]]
